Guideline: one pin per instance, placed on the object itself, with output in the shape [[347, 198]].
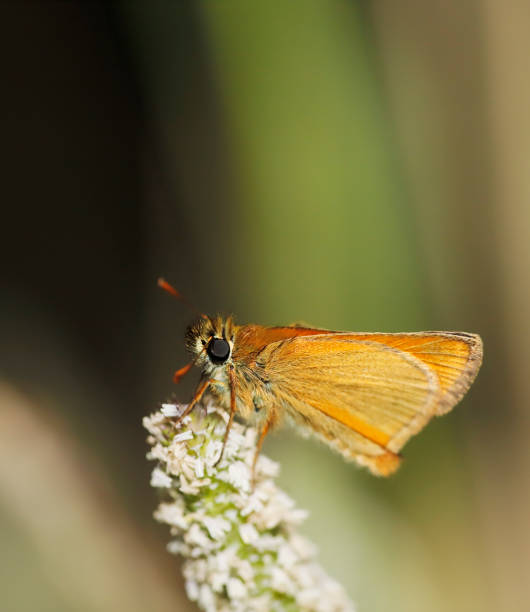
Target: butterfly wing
[[367, 394], [455, 358], [252, 339]]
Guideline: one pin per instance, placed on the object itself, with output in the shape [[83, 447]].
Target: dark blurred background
[[357, 165]]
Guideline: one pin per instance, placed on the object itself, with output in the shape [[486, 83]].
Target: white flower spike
[[239, 540]]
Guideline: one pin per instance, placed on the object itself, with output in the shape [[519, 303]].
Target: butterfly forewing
[[455, 358]]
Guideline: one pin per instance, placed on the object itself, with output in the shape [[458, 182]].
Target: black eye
[[218, 350]]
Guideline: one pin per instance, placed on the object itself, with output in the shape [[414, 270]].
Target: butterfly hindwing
[[367, 394]]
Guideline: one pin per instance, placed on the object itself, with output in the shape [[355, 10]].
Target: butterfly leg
[[232, 379], [198, 394]]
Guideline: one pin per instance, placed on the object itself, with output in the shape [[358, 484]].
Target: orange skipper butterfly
[[364, 394]]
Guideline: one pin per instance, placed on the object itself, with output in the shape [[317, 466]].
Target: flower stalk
[[239, 540]]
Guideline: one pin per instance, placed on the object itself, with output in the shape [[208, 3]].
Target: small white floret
[[249, 534], [238, 475], [231, 515], [206, 598], [196, 535], [173, 514], [217, 526], [280, 581], [199, 468], [192, 590], [236, 589], [217, 580], [185, 435], [160, 479], [175, 547], [245, 570], [287, 557], [171, 410]]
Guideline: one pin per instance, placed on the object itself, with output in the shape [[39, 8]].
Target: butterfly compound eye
[[218, 350]]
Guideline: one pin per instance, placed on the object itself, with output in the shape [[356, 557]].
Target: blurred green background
[[358, 165]]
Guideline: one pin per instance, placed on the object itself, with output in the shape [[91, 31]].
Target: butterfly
[[363, 394]]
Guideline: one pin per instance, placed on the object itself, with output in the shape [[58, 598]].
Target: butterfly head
[[211, 340]]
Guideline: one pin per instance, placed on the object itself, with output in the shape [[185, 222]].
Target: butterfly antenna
[[163, 284]]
